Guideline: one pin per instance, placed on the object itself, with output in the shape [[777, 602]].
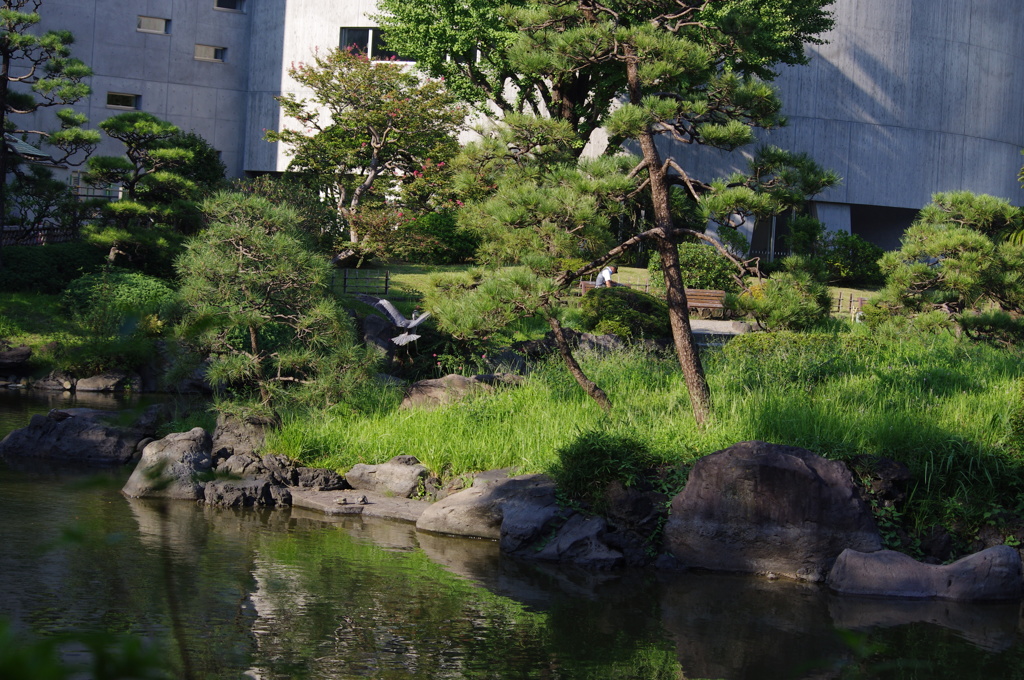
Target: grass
[[938, 404]]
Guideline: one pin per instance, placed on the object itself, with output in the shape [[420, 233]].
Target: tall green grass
[[938, 404]]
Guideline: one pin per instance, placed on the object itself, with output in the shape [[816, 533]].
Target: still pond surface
[[286, 594]]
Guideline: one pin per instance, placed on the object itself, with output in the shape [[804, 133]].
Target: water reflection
[[279, 594]]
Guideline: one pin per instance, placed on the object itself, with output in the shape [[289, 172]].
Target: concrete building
[[909, 97]]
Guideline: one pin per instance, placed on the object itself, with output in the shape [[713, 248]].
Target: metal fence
[[368, 281]]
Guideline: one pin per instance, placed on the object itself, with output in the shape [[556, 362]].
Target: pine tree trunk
[[678, 309], [588, 385]]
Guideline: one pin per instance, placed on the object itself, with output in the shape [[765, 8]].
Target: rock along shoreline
[[755, 507]]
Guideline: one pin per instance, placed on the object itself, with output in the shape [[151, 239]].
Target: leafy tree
[[692, 71], [484, 58], [258, 306], [37, 72], [365, 121]]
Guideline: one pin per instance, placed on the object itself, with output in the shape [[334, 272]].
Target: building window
[[233, 5], [154, 25], [368, 41], [121, 100], [210, 53]]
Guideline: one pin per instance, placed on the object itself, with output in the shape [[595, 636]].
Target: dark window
[[368, 41], [236, 5], [120, 100], [357, 39]]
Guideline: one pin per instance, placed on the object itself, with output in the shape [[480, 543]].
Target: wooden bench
[[703, 299]]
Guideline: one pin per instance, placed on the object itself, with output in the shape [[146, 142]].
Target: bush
[[787, 301], [586, 466], [443, 241], [49, 268], [624, 312], [702, 267], [124, 290], [850, 260]]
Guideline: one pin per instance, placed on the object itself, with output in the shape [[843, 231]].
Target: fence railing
[[370, 282], [847, 303], [13, 235]]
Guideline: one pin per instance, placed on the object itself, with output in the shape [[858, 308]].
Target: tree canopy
[[258, 306], [664, 76], [365, 121], [37, 72]]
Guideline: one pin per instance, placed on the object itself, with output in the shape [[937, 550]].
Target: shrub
[[586, 465], [790, 300], [49, 268], [850, 260], [443, 241], [625, 312], [125, 291], [702, 267]]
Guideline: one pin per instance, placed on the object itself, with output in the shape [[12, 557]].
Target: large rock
[[442, 391], [517, 510], [244, 493], [74, 436], [763, 508], [234, 436], [171, 467], [110, 381], [992, 574], [401, 476], [15, 360]]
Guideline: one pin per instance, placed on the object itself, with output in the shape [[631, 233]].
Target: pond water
[[287, 594]]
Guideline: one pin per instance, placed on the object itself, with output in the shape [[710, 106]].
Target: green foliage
[[528, 196], [164, 174], [47, 76], [134, 243], [628, 313], [113, 298], [258, 305], [789, 300], [758, 360], [835, 257], [991, 216], [993, 325], [144, 136], [955, 259], [48, 268], [589, 462], [367, 122], [35, 200], [850, 260], [475, 305], [127, 348], [107, 657], [298, 191], [702, 267], [444, 242]]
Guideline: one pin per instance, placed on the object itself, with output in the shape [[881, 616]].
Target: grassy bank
[[940, 405]]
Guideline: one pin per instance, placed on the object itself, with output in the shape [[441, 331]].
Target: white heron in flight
[[396, 318]]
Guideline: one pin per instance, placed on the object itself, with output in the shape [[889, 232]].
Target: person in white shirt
[[604, 279]]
